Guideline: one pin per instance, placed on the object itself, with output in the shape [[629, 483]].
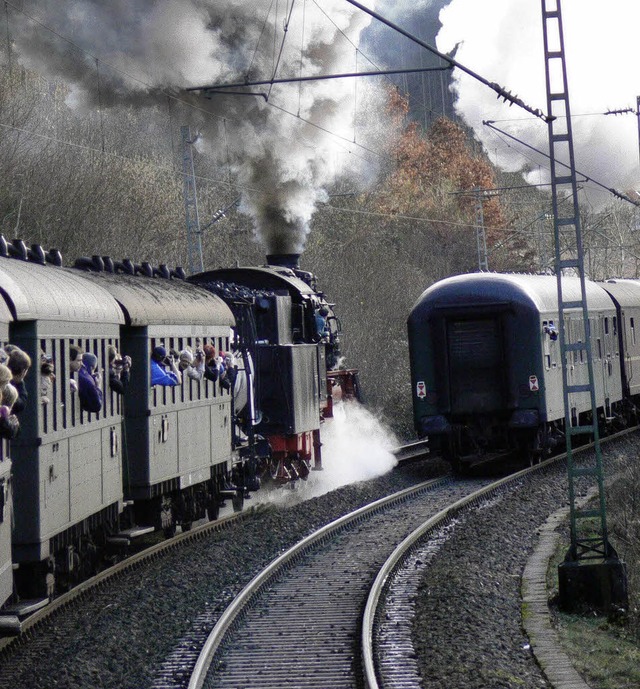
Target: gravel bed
[[126, 630], [467, 630]]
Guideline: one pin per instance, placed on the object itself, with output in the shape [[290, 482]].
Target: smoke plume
[[134, 52], [502, 40]]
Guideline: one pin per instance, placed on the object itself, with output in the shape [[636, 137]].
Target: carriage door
[[476, 365], [610, 327]]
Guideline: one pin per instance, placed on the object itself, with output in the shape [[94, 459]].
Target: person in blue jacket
[[89, 380], [159, 374]]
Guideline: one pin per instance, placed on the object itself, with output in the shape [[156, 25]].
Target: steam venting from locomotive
[[605, 147], [283, 145]]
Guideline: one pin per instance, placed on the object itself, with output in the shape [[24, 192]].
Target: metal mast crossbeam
[[194, 237]]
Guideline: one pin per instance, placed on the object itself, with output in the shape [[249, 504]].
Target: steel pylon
[[587, 542]]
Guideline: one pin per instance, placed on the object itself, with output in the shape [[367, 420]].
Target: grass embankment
[[606, 650]]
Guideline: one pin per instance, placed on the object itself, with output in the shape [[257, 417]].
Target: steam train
[[486, 368], [76, 485]]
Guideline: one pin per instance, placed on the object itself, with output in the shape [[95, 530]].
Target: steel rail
[[233, 614], [412, 540]]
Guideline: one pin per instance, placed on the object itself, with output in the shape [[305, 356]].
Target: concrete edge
[[536, 619]]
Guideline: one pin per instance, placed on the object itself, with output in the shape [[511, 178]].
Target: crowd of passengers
[[166, 369]]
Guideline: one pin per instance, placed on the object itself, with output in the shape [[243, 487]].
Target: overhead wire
[[168, 94]]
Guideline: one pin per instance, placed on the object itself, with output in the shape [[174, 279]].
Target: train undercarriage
[[482, 440]]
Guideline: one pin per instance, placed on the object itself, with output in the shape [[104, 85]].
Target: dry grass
[[606, 651]]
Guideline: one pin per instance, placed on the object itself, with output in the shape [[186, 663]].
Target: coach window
[[606, 326], [599, 343], [633, 331]]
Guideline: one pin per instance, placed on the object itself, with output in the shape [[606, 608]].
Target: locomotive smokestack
[[284, 260]]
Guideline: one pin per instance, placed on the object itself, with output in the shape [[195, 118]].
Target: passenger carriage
[[178, 438], [67, 463], [486, 369]]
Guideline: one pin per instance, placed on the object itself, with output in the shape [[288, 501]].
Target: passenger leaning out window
[[192, 365], [75, 364], [211, 371], [19, 364], [119, 370], [47, 377], [164, 370], [89, 381], [9, 424]]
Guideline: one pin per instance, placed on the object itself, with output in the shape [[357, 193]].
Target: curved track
[[297, 623]]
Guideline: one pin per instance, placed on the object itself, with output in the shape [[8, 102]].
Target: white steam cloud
[[502, 41], [135, 51], [356, 446]]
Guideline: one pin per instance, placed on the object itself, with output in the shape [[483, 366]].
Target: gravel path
[[467, 630]]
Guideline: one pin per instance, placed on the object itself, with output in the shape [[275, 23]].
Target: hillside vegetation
[[109, 181]]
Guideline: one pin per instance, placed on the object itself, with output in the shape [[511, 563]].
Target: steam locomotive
[[486, 369], [76, 485]]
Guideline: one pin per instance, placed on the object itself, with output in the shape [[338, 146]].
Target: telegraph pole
[[194, 237]]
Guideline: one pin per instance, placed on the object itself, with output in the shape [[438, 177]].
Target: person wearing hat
[[192, 366], [210, 364], [159, 374], [89, 380]]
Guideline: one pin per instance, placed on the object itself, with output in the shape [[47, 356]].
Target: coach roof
[[539, 291], [158, 301], [36, 292]]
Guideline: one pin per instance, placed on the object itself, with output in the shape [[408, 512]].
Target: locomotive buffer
[[591, 575]]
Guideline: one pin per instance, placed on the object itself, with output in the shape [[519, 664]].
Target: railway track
[[299, 623], [296, 624]]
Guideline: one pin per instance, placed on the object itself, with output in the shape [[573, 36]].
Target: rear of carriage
[[486, 367], [67, 463]]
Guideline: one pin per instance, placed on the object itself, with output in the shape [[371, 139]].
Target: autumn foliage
[[432, 168]]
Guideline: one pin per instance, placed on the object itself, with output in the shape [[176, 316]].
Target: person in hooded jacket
[[89, 391]]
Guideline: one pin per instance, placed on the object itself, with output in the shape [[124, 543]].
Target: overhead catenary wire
[[615, 192]]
